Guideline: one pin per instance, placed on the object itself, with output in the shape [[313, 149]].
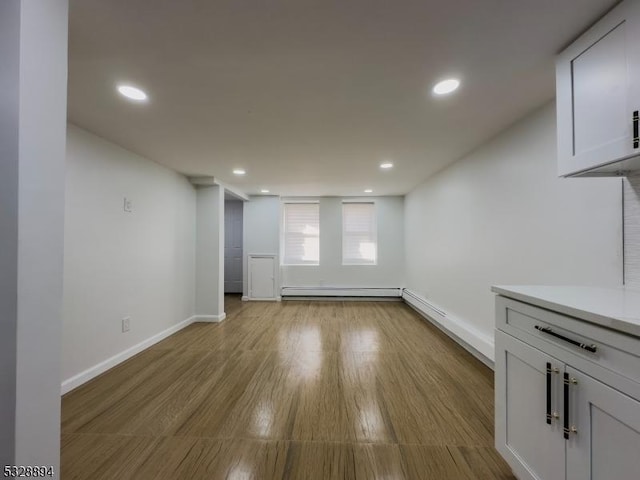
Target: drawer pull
[[589, 348]]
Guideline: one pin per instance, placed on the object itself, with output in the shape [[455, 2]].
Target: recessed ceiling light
[[386, 165], [264, 190], [132, 93], [239, 171], [446, 86], [368, 190]]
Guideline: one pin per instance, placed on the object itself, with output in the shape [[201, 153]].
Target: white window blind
[[359, 235], [301, 227]]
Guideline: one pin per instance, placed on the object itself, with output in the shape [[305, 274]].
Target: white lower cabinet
[[553, 420], [533, 448], [606, 441]]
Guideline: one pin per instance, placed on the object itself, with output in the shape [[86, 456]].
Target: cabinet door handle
[[589, 348], [548, 393], [636, 134], [568, 430], [566, 406]]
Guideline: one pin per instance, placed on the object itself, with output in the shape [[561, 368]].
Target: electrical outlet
[[126, 324], [128, 205]]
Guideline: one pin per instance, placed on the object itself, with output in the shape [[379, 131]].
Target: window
[[359, 236], [301, 234]]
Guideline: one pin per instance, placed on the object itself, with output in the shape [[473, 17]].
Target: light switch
[[128, 206]]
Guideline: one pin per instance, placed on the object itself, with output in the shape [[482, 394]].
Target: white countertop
[[615, 308]]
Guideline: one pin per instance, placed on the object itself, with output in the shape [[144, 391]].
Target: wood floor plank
[[160, 413], [366, 405], [86, 402], [431, 462], [300, 389], [483, 463], [322, 413], [207, 418], [206, 459], [116, 418], [103, 457]]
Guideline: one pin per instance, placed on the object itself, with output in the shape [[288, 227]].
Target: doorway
[[233, 217]]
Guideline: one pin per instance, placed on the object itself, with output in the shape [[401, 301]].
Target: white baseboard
[[476, 342], [210, 318], [245, 298], [83, 377], [330, 291]]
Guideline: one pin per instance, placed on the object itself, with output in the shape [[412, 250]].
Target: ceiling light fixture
[[132, 93], [239, 171], [446, 86], [386, 165], [368, 190], [264, 190]]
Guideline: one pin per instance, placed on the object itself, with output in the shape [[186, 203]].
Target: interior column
[[33, 105], [210, 254]]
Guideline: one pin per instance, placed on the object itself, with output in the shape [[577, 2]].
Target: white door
[[233, 247], [596, 83], [262, 277], [605, 440], [528, 405]]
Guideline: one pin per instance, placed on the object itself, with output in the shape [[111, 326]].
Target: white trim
[[209, 181], [343, 299], [468, 336], [334, 291], [239, 194], [90, 373], [245, 298], [302, 200], [210, 318]]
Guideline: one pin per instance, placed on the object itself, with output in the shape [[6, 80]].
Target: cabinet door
[[606, 441], [262, 283], [532, 447], [596, 90]]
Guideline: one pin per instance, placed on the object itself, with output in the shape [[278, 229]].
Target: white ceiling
[[310, 96]]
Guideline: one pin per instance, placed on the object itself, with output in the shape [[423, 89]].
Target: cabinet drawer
[[614, 351]]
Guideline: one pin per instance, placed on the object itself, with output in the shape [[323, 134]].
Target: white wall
[[261, 230], [139, 264], [501, 216], [632, 230], [387, 273], [33, 81]]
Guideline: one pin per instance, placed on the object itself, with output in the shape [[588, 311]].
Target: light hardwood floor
[[296, 390]]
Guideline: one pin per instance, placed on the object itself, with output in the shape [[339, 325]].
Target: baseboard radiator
[[364, 292], [474, 341]]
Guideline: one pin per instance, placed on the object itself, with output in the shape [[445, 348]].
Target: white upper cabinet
[[598, 97]]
